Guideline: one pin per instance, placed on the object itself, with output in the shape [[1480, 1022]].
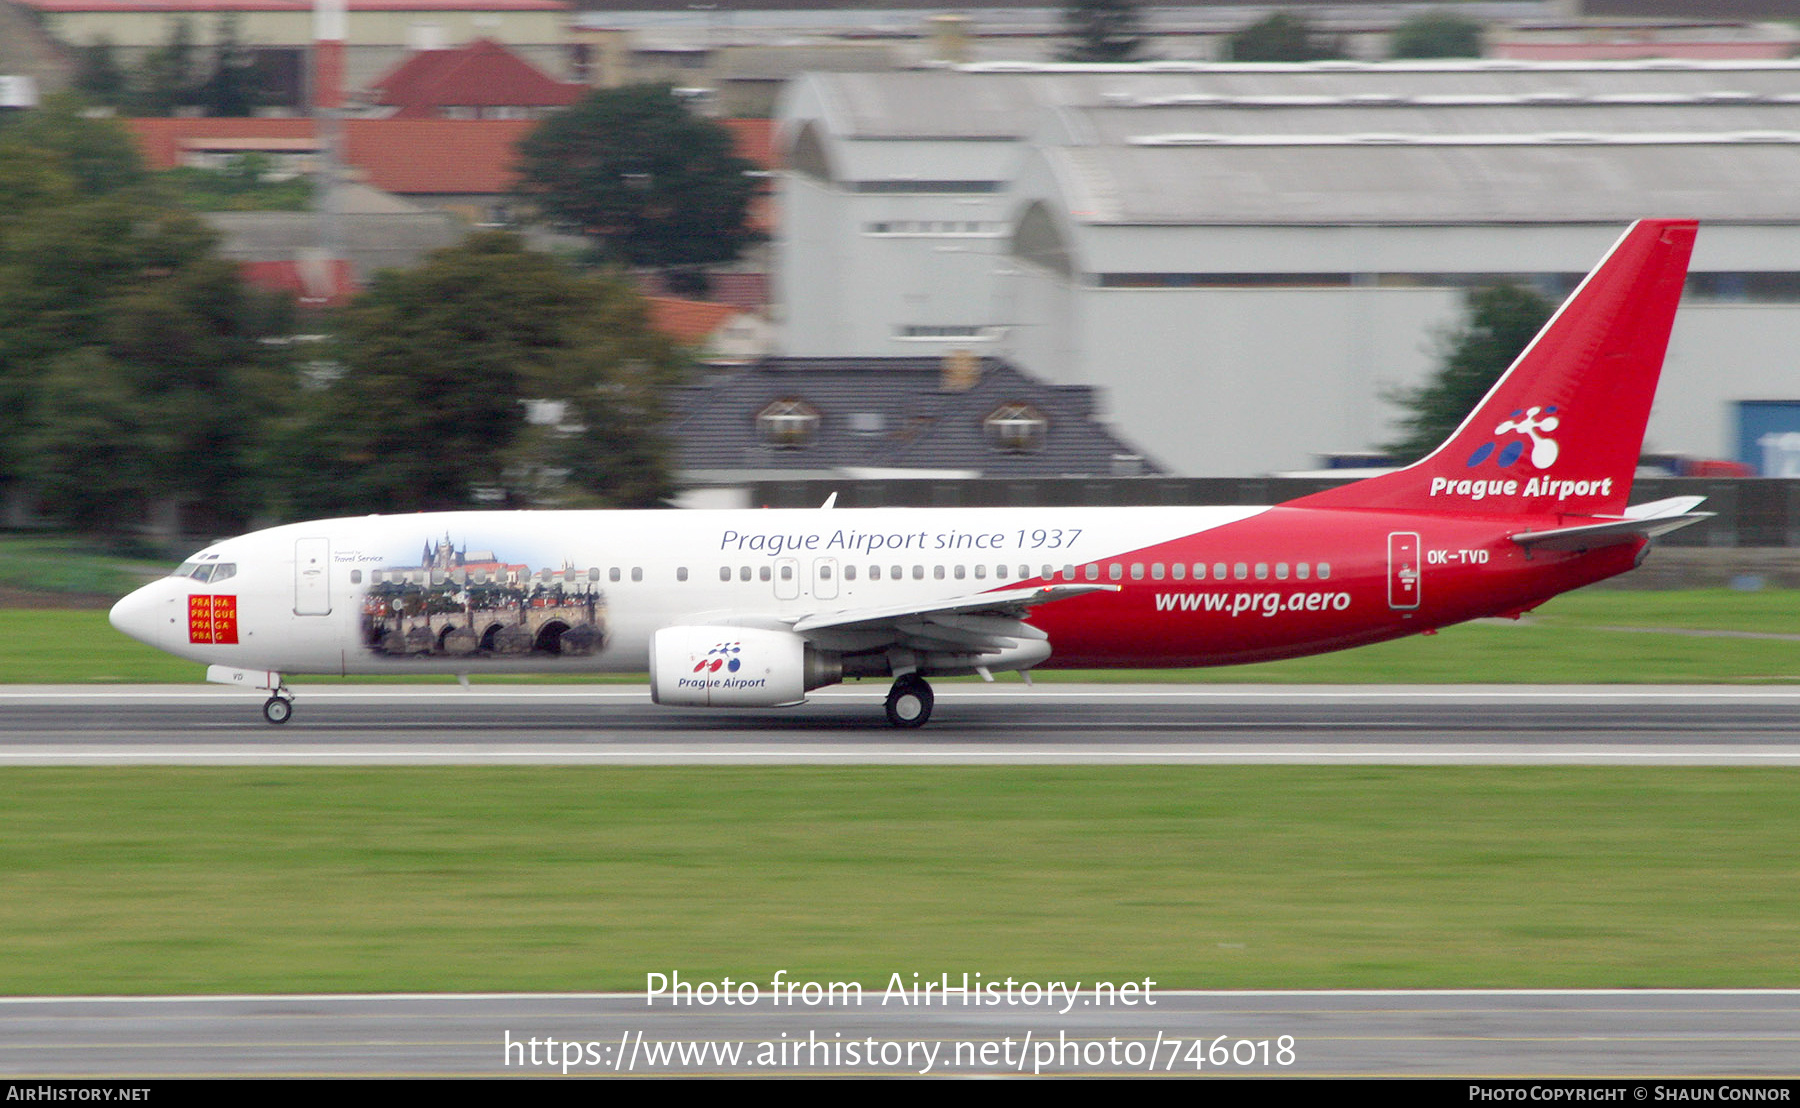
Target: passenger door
[[312, 577]]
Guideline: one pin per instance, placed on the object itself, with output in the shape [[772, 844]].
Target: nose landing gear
[[278, 708], [909, 701]]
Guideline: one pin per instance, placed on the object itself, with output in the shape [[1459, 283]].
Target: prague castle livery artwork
[[474, 606]]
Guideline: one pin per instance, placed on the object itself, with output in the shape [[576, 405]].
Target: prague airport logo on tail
[[1534, 423], [1527, 423]]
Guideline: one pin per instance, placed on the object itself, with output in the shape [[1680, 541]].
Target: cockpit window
[[206, 571]]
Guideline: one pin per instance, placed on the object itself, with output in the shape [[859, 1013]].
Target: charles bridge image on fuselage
[[473, 606]]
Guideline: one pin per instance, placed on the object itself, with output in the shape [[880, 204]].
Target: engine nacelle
[[741, 667]]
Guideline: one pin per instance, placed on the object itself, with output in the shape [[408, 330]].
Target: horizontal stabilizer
[[1660, 509], [1642, 521]]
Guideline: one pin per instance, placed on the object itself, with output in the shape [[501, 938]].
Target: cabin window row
[[1092, 571]]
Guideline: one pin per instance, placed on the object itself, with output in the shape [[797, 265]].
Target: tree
[[167, 80], [1281, 37], [1437, 35], [633, 168], [99, 456], [489, 372], [98, 74], [231, 89], [132, 363], [96, 155], [1103, 30], [1501, 321]]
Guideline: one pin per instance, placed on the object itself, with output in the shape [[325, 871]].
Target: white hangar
[[1247, 259]]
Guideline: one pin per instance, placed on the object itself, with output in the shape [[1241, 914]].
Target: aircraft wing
[[978, 622], [1642, 521]]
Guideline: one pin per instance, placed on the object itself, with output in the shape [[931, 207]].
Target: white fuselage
[[318, 597]]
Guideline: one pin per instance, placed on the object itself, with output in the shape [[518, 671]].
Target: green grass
[[1573, 639], [226, 190], [1568, 653], [209, 880], [66, 564]]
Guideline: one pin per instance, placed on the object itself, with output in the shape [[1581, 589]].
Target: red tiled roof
[[160, 140], [406, 156], [482, 73], [436, 155], [689, 322]]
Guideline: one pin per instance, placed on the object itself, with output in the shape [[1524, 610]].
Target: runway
[[1634, 1035], [973, 724]]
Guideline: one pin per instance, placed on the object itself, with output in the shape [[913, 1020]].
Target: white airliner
[[1527, 499]]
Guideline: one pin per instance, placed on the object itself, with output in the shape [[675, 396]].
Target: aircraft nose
[[144, 615]]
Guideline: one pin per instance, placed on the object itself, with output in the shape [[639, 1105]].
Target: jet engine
[[740, 667]]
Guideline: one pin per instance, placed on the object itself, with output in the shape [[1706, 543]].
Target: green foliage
[[242, 185], [132, 369], [98, 74], [1281, 37], [444, 366], [231, 89], [1437, 35], [634, 169], [220, 80], [57, 146], [100, 454], [1502, 320], [169, 78], [1103, 31]]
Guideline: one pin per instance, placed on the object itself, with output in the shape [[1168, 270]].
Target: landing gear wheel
[[909, 702], [278, 709]]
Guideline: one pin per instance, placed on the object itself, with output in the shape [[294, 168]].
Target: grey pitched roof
[[1714, 178], [1003, 100], [1352, 143], [889, 413]]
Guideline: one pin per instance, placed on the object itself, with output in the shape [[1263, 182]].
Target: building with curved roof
[[1249, 259]]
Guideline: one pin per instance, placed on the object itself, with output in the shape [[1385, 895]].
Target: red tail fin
[[1561, 430]]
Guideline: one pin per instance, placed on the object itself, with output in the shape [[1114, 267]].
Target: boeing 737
[[1528, 498]]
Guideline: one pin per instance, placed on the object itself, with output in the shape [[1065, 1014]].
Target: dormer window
[[788, 424], [1016, 428]]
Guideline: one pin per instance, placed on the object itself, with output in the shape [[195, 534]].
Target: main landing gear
[[909, 701], [279, 708]]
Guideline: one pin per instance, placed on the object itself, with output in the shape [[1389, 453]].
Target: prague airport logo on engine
[[1527, 423], [723, 656]]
